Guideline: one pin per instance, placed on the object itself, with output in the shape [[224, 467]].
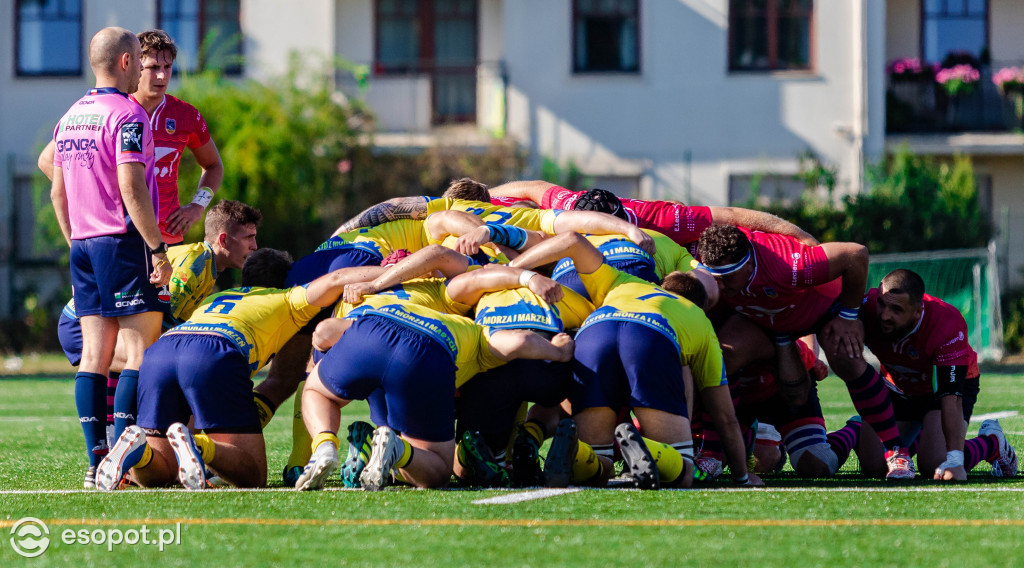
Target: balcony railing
[[921, 105]]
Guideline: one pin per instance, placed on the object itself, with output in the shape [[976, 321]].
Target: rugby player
[[203, 368], [175, 125], [781, 289], [230, 238], [933, 378], [104, 195], [631, 353]]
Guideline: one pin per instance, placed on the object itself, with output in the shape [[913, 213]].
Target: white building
[[669, 99]]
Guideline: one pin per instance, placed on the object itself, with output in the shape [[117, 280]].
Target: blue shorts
[[621, 364], [110, 277], [69, 333], [641, 269], [316, 264], [378, 406], [488, 402], [186, 374], [415, 372], [777, 412]]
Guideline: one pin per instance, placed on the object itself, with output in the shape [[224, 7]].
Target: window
[[762, 190], [49, 37], [435, 39], [770, 35], [951, 26], [208, 33], [606, 36]]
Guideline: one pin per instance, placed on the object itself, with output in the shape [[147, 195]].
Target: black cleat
[[526, 471], [561, 455], [477, 458], [639, 463]]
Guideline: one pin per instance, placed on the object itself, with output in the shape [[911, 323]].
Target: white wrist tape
[[954, 458], [524, 278], [202, 197]]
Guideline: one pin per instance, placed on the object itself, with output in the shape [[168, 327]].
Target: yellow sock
[[301, 440], [263, 407], [406, 454], [667, 458], [586, 465], [324, 437], [535, 431], [206, 447], [147, 456]]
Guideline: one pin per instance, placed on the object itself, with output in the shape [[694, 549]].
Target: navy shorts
[[415, 372], [622, 364], [488, 402], [185, 374], [571, 279], [316, 264], [913, 408], [69, 333], [777, 412], [110, 276]]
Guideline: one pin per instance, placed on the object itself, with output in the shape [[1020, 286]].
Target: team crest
[[913, 353], [170, 125], [770, 292]]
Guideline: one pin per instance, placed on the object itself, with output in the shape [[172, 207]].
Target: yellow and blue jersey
[[405, 234], [520, 308], [259, 321], [618, 249], [465, 340], [623, 297], [529, 219], [194, 273], [427, 292]]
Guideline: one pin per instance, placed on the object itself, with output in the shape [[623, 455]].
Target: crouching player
[[204, 368], [417, 357], [633, 353], [932, 374]]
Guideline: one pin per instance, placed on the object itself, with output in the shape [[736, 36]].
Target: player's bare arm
[[849, 261], [391, 210], [596, 223], [45, 161], [469, 287], [584, 255], [59, 197], [718, 402], [533, 190], [760, 221], [325, 291], [420, 263], [208, 158], [131, 178]]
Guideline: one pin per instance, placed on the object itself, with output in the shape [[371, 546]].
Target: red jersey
[[756, 383], [682, 223], [789, 290], [176, 125], [938, 339], [506, 201]]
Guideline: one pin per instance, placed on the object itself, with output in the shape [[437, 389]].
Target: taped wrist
[[507, 235]]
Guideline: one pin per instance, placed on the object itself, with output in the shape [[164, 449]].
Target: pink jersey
[[938, 339], [682, 223], [101, 131], [176, 125], [789, 290], [506, 201]]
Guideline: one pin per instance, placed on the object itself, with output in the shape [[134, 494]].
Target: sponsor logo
[[131, 137], [128, 299], [30, 537], [72, 144], [87, 419], [170, 125], [83, 120], [164, 295], [795, 267], [124, 415], [959, 337]]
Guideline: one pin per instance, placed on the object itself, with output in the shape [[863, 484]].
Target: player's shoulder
[[176, 104], [939, 312]]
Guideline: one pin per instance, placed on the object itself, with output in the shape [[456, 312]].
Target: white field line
[[525, 496], [994, 415], [924, 489]]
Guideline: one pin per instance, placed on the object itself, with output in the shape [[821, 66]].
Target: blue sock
[[91, 402], [126, 401]]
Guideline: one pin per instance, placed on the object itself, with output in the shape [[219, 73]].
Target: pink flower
[[963, 73], [1009, 75]]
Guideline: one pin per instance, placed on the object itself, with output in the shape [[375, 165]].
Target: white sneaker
[[191, 469], [115, 465], [1006, 464], [322, 464], [900, 464], [385, 451]]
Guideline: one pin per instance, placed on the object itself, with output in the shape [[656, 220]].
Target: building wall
[[1007, 42], [903, 34], [684, 101], [1008, 212], [273, 34]]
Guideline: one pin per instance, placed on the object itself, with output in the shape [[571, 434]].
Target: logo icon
[[170, 125], [30, 537]]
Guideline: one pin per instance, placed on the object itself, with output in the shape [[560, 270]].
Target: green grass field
[[846, 521]]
